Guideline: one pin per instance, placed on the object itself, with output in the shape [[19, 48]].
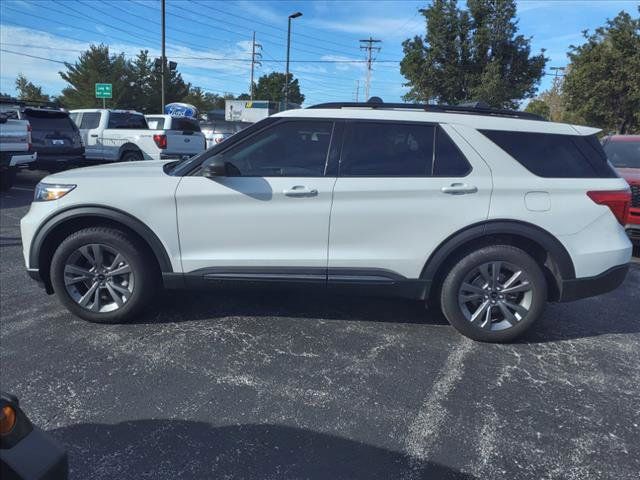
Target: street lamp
[[286, 75]]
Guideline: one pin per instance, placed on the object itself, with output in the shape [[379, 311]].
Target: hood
[[144, 168], [631, 175]]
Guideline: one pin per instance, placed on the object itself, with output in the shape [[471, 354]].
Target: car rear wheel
[[102, 275], [494, 294]]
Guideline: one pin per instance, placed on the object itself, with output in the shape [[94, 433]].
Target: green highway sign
[[103, 90]]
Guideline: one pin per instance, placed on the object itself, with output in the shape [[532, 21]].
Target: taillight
[[218, 139], [618, 202], [161, 141], [29, 137]]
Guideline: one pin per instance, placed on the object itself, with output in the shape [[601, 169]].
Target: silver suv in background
[[218, 130]]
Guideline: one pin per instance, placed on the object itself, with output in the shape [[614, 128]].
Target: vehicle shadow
[[181, 306], [612, 313], [179, 449]]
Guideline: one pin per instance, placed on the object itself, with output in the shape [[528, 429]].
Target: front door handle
[[94, 135], [459, 189], [300, 191]]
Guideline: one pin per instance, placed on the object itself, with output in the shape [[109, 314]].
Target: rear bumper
[[591, 286], [633, 230], [37, 456], [53, 160]]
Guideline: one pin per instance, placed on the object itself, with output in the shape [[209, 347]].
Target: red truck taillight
[[618, 201], [161, 141], [29, 137]]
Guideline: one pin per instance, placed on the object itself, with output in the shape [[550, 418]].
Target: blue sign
[[181, 110]]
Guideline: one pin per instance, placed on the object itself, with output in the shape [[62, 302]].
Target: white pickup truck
[[184, 137], [15, 149], [123, 135]]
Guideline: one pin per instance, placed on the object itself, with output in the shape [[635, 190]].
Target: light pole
[[286, 75]]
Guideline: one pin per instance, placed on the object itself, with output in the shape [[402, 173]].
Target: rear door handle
[[459, 189], [94, 135], [300, 191]]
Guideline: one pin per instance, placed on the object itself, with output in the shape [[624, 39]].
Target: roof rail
[[472, 108]]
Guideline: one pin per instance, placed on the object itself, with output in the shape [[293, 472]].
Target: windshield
[[624, 154]]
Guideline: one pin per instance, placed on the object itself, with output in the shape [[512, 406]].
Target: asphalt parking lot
[[297, 385]]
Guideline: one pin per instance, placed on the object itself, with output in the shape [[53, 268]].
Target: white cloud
[[376, 26]]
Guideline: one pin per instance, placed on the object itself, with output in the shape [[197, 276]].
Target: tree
[[602, 84], [539, 107], [93, 66], [30, 92], [471, 55], [271, 87], [146, 82]]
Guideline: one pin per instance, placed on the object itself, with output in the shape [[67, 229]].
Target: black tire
[[145, 275], [455, 304], [7, 178], [131, 156]]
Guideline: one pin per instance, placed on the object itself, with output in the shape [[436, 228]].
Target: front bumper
[[607, 281], [633, 231]]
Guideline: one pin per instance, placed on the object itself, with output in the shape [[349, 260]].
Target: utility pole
[[558, 69], [368, 46], [254, 62], [163, 60]]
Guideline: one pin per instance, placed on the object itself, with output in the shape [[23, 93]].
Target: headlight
[[49, 191]]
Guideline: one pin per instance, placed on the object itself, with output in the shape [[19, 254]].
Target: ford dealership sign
[[181, 110]]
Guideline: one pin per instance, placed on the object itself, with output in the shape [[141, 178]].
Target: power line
[[32, 56]]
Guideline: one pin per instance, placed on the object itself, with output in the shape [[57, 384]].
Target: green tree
[[30, 92], [146, 84], [474, 54], [539, 107], [271, 87], [97, 65], [602, 84]]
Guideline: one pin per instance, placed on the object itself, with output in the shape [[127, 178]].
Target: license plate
[[56, 141]]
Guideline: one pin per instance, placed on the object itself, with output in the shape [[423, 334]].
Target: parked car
[[15, 149], [486, 213], [180, 135], [218, 130], [118, 136], [56, 139], [26, 452], [623, 152]]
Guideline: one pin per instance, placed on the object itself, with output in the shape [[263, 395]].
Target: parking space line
[[425, 428]]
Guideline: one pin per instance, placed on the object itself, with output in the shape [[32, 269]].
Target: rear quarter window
[[121, 120], [553, 155]]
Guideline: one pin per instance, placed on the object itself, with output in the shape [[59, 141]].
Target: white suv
[[485, 213]]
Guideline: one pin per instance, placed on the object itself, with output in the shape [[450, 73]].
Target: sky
[[211, 39]]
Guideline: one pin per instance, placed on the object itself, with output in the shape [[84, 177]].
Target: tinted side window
[[553, 155], [288, 149], [448, 160], [127, 120], [387, 150], [90, 120]]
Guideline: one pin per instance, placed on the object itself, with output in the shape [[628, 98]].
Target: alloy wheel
[[98, 278], [495, 295]]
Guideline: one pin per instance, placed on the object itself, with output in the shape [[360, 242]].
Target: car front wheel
[[103, 275], [494, 294]]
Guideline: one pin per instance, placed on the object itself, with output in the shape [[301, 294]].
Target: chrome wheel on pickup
[[104, 275]]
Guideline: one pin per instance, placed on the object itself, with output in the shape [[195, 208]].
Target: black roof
[[471, 108]]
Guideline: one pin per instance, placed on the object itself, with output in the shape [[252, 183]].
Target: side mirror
[[214, 167]]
